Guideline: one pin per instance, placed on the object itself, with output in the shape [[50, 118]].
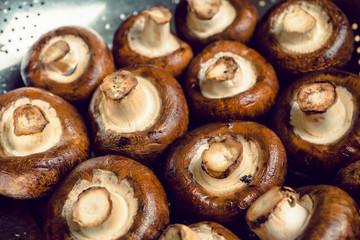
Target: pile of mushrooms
[[217, 171], [69, 62], [311, 212], [109, 197], [137, 112], [301, 36], [228, 80], [42, 138], [200, 22], [146, 38]]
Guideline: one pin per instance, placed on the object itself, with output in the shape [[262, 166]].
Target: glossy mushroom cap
[[104, 198], [312, 212], [43, 137], [69, 62], [213, 169], [228, 80], [201, 22], [316, 117], [137, 112], [146, 38], [301, 36]]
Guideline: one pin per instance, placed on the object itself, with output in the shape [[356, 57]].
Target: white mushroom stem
[[204, 9], [322, 109], [222, 158], [279, 214], [92, 208], [124, 100], [60, 59], [179, 232], [29, 119]]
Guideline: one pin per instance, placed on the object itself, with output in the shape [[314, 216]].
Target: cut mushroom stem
[[59, 58], [125, 101], [223, 69], [92, 208], [179, 232], [156, 32], [222, 158], [279, 214], [29, 119], [298, 25], [204, 9], [322, 109]]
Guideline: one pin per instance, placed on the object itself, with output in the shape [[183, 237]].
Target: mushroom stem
[[203, 9], [222, 158], [29, 119], [92, 208], [279, 214], [124, 98], [59, 58], [298, 25], [322, 110], [223, 69], [179, 232]]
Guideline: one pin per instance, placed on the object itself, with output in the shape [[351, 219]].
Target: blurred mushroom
[[301, 36], [260, 163], [311, 212], [69, 62], [109, 197], [42, 138], [137, 112], [201, 22], [316, 117], [146, 38], [348, 179], [228, 80]]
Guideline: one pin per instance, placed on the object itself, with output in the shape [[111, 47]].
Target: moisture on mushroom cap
[[302, 27], [64, 58], [279, 214]]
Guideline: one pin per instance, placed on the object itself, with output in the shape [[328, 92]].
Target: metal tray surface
[[22, 22]]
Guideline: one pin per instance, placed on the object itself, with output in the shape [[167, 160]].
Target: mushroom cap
[[174, 63], [216, 228], [348, 179], [152, 215], [247, 105], [318, 159], [189, 195], [335, 53], [241, 29], [100, 64], [335, 214], [148, 145], [35, 175]]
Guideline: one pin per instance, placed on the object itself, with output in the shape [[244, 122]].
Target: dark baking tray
[[23, 22]]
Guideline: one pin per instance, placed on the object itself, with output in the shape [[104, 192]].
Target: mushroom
[[228, 80], [300, 36], [348, 179], [69, 62], [201, 22], [198, 231], [137, 112], [42, 138], [146, 39], [311, 212], [108, 197], [316, 117], [222, 192]]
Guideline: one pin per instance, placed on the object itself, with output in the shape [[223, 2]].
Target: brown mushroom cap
[[247, 105], [241, 29], [34, 175], [335, 53], [318, 159], [228, 206], [152, 213], [99, 65], [348, 179], [149, 144], [174, 63]]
